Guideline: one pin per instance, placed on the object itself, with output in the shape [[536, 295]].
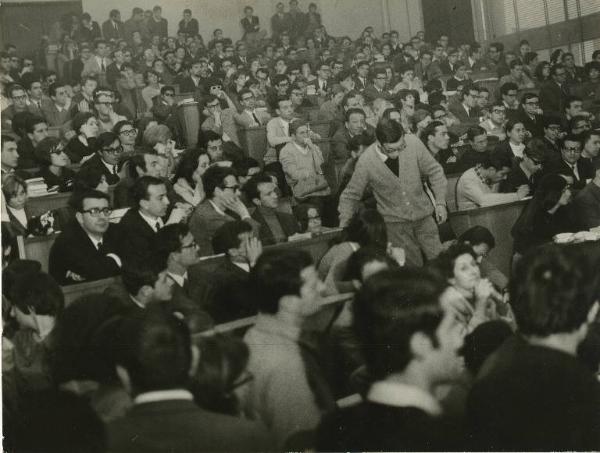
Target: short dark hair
[[363, 256], [5, 139], [208, 136], [105, 139], [511, 123], [251, 189], [188, 164], [447, 259], [168, 240], [362, 139], [367, 228], [436, 98], [556, 67], [139, 191], [527, 96], [78, 197], [87, 178], [213, 178], [551, 292], [569, 138], [389, 309], [431, 130], [570, 100], [587, 135], [508, 86], [152, 340], [33, 121], [549, 120], [354, 111], [494, 160], [478, 235], [39, 291], [227, 235], [475, 131], [389, 131], [467, 88], [277, 274], [243, 165]]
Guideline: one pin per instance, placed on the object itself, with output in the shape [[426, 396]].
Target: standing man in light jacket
[[395, 167]]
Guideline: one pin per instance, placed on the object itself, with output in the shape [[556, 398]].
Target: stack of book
[[36, 187]]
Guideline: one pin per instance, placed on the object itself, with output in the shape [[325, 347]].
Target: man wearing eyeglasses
[[552, 134], [526, 171], [394, 168], [222, 205], [554, 92], [494, 125], [377, 89], [250, 116], [86, 248], [220, 120], [17, 95], [531, 115], [569, 164], [103, 104]]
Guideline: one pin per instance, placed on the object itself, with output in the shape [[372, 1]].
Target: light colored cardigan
[[399, 198], [471, 192]]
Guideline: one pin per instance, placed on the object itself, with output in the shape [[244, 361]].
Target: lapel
[[142, 225], [266, 234]]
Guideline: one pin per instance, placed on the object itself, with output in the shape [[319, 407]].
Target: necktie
[[255, 118], [102, 67], [100, 247], [157, 226], [575, 171]]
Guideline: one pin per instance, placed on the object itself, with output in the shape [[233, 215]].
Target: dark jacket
[[64, 181], [96, 161], [586, 206], [553, 97], [517, 178], [136, 240], [190, 29], [77, 150], [288, 223], [74, 251], [228, 298], [534, 398], [563, 168]]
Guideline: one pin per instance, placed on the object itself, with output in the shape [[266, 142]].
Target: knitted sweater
[[399, 198]]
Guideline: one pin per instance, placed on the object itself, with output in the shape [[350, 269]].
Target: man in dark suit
[[106, 158], [275, 226], [113, 28], [280, 22], [569, 164], [158, 25], [533, 394], [466, 111], [320, 86], [377, 89], [400, 412], [554, 92], [526, 170], [551, 137], [529, 114], [448, 66], [355, 124], [229, 290], [199, 74], [56, 109], [586, 204], [139, 225], [188, 24], [590, 141], [361, 80], [86, 249], [154, 361]]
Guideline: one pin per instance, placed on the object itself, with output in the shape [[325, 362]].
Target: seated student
[[494, 125], [354, 125], [545, 216], [526, 170], [250, 116], [228, 297], [36, 129], [106, 158], [139, 225], [187, 180], [466, 110], [302, 161], [87, 247], [512, 148], [483, 242], [177, 253], [50, 153], [56, 110], [155, 364], [218, 149], [476, 152], [219, 120], [14, 191], [36, 300], [569, 163], [460, 78], [400, 412], [479, 185], [590, 142], [378, 87], [145, 163], [275, 225], [515, 403], [586, 205], [81, 146], [436, 139], [221, 205], [244, 169], [508, 92], [287, 290], [278, 129], [579, 124], [530, 115], [9, 155]]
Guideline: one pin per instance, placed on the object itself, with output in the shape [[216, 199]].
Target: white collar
[[163, 395], [151, 221], [243, 266], [111, 167], [303, 149], [94, 240], [517, 149], [137, 302], [403, 395], [179, 279], [381, 155], [216, 208]]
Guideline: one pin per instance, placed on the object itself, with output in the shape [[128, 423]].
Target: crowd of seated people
[[365, 139]]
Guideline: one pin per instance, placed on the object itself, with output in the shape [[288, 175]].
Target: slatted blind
[[530, 14], [556, 11]]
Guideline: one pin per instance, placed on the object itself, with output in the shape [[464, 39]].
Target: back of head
[[367, 228], [159, 351], [38, 292], [389, 309], [168, 240], [277, 274], [551, 292], [482, 342], [227, 235]]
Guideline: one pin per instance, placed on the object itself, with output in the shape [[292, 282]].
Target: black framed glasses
[[97, 212], [192, 244], [129, 132], [234, 188]]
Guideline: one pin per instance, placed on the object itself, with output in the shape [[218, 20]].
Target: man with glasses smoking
[[86, 248], [394, 167]]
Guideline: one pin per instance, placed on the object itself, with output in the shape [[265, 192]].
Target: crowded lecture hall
[[339, 225]]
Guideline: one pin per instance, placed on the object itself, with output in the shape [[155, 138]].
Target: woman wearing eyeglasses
[[127, 135], [53, 161]]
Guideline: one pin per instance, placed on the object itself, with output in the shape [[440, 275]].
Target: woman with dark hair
[[187, 181], [473, 298], [53, 161], [365, 229], [545, 216], [90, 177], [556, 56], [482, 242], [14, 190], [81, 147], [542, 72], [221, 379]]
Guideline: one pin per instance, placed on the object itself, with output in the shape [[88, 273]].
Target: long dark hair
[[367, 228]]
